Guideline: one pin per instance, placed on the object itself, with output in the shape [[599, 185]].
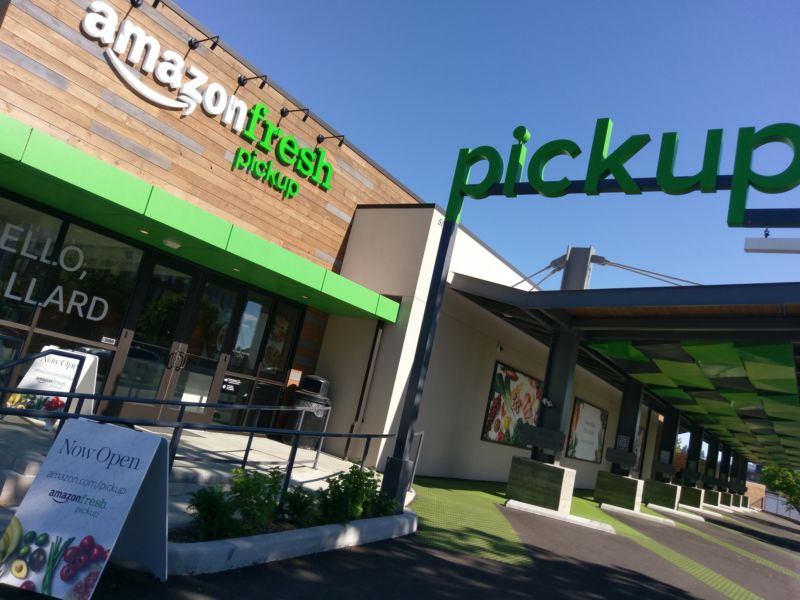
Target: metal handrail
[[180, 426], [177, 426], [181, 406], [137, 400]]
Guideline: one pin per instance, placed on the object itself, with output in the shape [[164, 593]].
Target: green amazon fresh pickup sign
[[286, 151], [162, 74], [604, 162]]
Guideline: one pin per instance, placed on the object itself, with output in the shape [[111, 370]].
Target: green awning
[[59, 175]]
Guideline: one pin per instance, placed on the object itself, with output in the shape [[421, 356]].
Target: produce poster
[[513, 401], [587, 433], [60, 539]]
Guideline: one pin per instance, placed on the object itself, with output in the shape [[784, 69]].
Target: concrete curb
[[636, 514], [554, 514], [677, 513], [224, 555], [723, 509], [702, 511]]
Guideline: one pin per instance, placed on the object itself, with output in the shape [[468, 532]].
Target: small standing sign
[[101, 489], [56, 373]]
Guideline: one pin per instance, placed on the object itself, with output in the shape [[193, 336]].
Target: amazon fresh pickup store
[[167, 209]]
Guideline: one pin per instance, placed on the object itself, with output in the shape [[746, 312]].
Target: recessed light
[[171, 244], [237, 269], [144, 231], [304, 297]]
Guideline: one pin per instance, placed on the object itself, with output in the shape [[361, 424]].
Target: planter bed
[[224, 555]]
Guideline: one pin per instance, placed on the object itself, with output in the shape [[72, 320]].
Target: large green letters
[[602, 164], [744, 176]]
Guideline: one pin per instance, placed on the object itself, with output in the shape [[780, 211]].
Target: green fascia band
[[189, 219], [56, 174], [14, 139]]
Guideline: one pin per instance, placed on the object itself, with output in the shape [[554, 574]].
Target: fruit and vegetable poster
[[56, 373], [69, 522], [513, 401], [587, 434]]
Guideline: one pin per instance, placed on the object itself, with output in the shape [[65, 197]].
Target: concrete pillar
[[691, 475], [724, 468], [738, 474], [557, 389], [712, 459], [666, 451], [627, 427], [743, 477]]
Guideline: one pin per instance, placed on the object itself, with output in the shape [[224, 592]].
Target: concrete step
[[199, 475], [13, 487], [24, 463]]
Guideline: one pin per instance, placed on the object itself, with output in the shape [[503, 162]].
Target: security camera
[[500, 347]]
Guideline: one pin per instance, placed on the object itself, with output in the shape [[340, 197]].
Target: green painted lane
[[740, 547], [585, 507]]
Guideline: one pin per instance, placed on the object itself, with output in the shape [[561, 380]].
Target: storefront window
[[214, 314], [95, 281], [251, 333], [279, 344], [27, 242], [10, 346], [164, 302]]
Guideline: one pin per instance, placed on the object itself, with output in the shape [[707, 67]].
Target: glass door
[[148, 350], [203, 355]]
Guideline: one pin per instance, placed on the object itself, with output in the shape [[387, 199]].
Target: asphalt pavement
[[569, 562]]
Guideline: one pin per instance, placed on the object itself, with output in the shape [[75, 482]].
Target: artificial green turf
[[462, 516]]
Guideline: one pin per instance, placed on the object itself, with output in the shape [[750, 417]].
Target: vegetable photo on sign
[[39, 561], [514, 401]]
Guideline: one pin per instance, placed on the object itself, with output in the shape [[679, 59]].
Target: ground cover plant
[[253, 504]]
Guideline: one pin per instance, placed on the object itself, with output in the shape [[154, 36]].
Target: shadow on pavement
[[775, 521], [760, 534], [394, 569]]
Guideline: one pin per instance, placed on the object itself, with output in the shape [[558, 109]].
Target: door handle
[[171, 360], [185, 359], [178, 361]]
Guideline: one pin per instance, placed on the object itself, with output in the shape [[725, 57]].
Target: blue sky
[[411, 82]]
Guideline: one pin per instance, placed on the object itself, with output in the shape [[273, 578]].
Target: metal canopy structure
[[726, 356]]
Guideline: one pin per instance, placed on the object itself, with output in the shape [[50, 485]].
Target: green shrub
[[380, 506], [353, 495], [214, 514], [301, 507], [256, 497], [253, 503]]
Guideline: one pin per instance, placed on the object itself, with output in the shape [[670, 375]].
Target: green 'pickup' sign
[[604, 162]]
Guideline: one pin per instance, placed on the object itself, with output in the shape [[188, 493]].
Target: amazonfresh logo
[[168, 68], [63, 497], [604, 162], [131, 48]]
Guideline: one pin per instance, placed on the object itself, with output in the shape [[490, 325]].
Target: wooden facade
[[56, 79]]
